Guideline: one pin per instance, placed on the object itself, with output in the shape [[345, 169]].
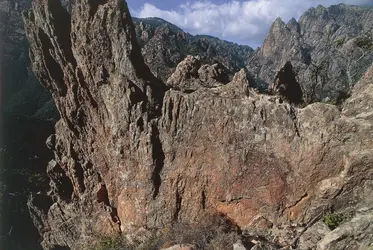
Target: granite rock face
[[25, 102], [21, 93], [190, 75], [330, 48], [354, 234], [169, 156], [318, 47], [164, 46]]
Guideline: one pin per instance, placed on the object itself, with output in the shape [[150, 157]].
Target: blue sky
[[240, 21], [163, 4]]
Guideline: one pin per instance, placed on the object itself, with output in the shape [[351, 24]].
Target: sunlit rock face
[[132, 153], [329, 48]]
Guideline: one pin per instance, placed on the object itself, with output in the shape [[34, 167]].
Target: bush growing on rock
[[109, 242], [333, 220], [364, 42]]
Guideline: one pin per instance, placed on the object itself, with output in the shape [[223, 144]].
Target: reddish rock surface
[[168, 156]]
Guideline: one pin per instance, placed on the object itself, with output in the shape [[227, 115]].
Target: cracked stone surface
[[168, 156], [330, 48]]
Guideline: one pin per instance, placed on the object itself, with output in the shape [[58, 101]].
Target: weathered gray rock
[[355, 234], [329, 47], [239, 246], [191, 75], [164, 46], [264, 246], [181, 247], [22, 94], [170, 156], [313, 235]]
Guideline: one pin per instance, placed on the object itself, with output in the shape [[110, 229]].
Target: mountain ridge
[[169, 141], [165, 156], [322, 34], [233, 56]]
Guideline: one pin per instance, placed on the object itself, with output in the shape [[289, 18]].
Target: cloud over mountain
[[244, 22]]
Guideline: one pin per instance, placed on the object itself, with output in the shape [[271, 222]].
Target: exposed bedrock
[[170, 155]]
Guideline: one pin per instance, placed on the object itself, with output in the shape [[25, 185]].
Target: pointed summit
[[277, 25], [278, 22], [293, 25], [292, 21]]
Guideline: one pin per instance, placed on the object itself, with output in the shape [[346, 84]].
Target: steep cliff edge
[[168, 156], [24, 102], [331, 48], [164, 45]]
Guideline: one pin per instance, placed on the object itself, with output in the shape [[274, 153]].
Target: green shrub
[[334, 220], [110, 243], [339, 42], [364, 42]]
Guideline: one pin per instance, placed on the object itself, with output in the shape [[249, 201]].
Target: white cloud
[[245, 22]]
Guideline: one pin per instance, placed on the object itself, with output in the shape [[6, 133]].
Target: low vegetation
[[110, 243], [364, 42], [215, 233], [339, 42], [334, 220]]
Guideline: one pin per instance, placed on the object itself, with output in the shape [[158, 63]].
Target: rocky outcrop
[[21, 94], [330, 48], [170, 156], [190, 75], [100, 93], [164, 46], [314, 234], [25, 102], [355, 234], [181, 247], [286, 85]]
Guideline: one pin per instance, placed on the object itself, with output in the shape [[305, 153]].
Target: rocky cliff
[[331, 48], [164, 45], [14, 62], [23, 153], [21, 92], [319, 46], [27, 109], [131, 154]]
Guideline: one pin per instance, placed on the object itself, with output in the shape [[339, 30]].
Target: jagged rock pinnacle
[[170, 156]]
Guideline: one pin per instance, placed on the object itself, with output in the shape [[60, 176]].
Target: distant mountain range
[[200, 156], [164, 45], [329, 47]]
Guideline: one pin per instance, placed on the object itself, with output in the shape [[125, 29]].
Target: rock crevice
[[168, 156]]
